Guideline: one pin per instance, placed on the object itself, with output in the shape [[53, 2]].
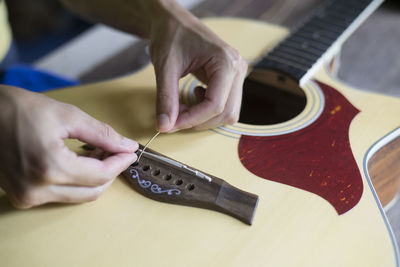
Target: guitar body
[[295, 224]]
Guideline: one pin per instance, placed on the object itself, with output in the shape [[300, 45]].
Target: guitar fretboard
[[300, 53]]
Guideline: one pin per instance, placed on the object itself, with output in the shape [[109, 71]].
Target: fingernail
[[163, 122], [129, 144]]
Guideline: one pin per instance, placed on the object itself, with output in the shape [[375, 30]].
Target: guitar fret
[[306, 42], [328, 25], [318, 34], [346, 10], [358, 4], [293, 58], [327, 29], [295, 48], [275, 63], [329, 33], [322, 31], [339, 18], [298, 52], [272, 64], [351, 14], [355, 4], [331, 16], [305, 45], [304, 54], [289, 63], [313, 37], [350, 6]]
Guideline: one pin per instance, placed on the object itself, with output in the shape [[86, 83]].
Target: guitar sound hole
[[266, 103], [167, 177], [146, 167]]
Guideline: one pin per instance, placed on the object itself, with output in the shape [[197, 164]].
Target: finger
[[68, 193], [167, 97], [76, 194], [30, 197], [232, 108], [183, 108], [87, 129], [40, 195], [85, 171], [213, 103]]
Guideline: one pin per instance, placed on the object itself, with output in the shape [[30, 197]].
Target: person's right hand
[[35, 165], [180, 44]]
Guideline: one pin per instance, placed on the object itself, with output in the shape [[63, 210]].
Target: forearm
[[139, 17]]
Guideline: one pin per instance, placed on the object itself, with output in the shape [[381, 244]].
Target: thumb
[[167, 97], [87, 129]]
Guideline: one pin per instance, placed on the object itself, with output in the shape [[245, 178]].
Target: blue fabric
[[33, 79], [12, 57]]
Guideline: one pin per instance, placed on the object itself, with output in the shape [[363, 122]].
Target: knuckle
[[245, 66], [237, 62], [218, 108], [69, 109], [231, 117], [235, 55], [107, 130], [163, 95], [45, 170], [104, 177], [234, 58], [68, 113], [15, 200], [50, 176], [73, 108], [47, 176], [203, 127], [24, 198], [18, 204], [95, 195], [165, 102], [39, 172]]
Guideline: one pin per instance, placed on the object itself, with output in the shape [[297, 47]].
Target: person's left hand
[[181, 44]]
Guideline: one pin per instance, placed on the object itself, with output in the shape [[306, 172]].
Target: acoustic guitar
[[304, 144]]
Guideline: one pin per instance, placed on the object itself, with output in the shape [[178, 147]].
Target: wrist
[[167, 14]]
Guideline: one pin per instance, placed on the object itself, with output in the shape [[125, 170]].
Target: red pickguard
[[317, 158]]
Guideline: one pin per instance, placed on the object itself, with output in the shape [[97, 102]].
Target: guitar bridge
[[164, 179]]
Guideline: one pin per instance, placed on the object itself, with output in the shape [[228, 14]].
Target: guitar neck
[[318, 39]]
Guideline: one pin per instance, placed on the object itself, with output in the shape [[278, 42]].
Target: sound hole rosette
[[315, 102]]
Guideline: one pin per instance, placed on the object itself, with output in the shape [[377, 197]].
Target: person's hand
[[181, 44], [36, 167]]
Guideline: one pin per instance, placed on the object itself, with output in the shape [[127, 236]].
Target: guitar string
[[147, 144]]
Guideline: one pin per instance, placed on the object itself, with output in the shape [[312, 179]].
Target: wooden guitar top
[[292, 226]]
